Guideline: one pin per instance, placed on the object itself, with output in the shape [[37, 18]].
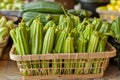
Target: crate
[[69, 65], [106, 15], [3, 44]]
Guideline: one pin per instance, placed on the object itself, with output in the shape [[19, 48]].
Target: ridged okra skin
[[61, 41], [48, 40], [93, 43], [36, 36], [3, 21]]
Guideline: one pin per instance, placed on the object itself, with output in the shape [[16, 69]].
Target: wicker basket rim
[[107, 12], [107, 54], [65, 77]]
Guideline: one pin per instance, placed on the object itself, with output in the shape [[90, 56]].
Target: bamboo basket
[[108, 15], [3, 44], [31, 68]]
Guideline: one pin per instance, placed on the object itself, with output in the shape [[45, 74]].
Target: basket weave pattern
[[75, 65]]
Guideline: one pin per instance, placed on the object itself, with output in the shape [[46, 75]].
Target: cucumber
[[44, 17], [43, 6]]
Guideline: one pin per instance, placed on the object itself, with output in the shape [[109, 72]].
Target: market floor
[[9, 69]]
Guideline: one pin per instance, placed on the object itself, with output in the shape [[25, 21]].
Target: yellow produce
[[117, 7], [5, 27], [8, 1], [118, 2], [2, 4], [11, 4], [110, 10], [113, 2], [111, 7], [114, 5], [102, 8]]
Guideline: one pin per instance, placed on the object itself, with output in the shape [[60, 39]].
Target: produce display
[[115, 29], [115, 39], [70, 35], [43, 6], [48, 28], [114, 5], [70, 26], [48, 11], [5, 27], [110, 11], [11, 4], [81, 13]]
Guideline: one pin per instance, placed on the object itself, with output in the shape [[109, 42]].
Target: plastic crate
[[69, 65]]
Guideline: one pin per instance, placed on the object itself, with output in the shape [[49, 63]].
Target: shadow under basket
[[63, 65]]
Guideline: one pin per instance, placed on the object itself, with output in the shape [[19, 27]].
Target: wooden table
[[9, 69]]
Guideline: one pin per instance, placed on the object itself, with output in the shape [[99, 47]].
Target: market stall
[[52, 40]]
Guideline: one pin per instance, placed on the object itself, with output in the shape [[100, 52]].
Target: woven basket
[[108, 15], [81, 65]]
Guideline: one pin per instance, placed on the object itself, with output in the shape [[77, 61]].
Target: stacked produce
[[69, 36], [5, 27], [114, 5], [81, 13], [11, 4], [46, 10], [115, 28], [110, 11], [115, 38]]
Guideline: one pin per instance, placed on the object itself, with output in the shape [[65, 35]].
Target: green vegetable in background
[[43, 6]]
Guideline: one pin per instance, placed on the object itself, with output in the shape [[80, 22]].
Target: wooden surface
[[9, 69]]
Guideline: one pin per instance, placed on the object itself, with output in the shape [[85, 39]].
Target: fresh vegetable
[[48, 40], [114, 5], [44, 17], [115, 28], [3, 33], [48, 45], [5, 27], [10, 24], [80, 13], [61, 41], [68, 48], [3, 21], [93, 43], [43, 6], [82, 43], [69, 36], [36, 36], [11, 4], [105, 27]]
